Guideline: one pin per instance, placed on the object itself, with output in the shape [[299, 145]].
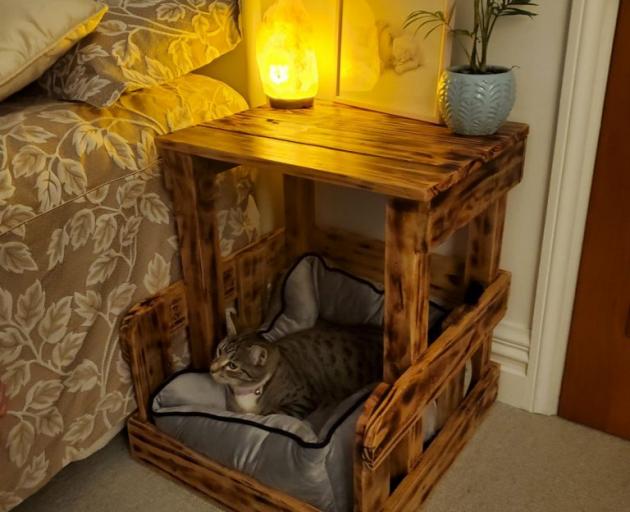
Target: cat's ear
[[258, 355]]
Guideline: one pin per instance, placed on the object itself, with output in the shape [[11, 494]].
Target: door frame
[[587, 61]]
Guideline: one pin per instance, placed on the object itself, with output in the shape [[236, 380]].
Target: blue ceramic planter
[[476, 104]]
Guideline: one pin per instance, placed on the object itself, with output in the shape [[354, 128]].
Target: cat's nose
[[215, 366]]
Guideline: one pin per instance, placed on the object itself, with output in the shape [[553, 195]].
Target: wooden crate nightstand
[[436, 183]]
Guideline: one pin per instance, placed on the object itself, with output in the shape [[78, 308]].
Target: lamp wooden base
[[291, 104]]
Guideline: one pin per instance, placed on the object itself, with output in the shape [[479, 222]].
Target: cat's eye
[[232, 366]]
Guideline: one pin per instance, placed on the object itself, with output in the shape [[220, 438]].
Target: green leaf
[[431, 31], [513, 11], [416, 16], [428, 22], [462, 32]]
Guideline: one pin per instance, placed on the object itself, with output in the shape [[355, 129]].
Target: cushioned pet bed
[[310, 459], [85, 231]]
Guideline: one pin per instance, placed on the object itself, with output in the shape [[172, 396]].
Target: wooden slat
[[271, 245], [372, 133], [485, 235], [252, 282], [423, 382], [149, 327], [299, 215], [272, 240], [193, 186], [406, 287], [145, 332], [256, 272], [447, 278], [172, 311], [347, 146], [456, 207], [144, 358], [351, 129], [371, 485], [392, 177], [451, 397], [350, 139], [359, 255], [232, 489], [407, 453], [443, 450], [365, 257], [406, 321], [481, 359]]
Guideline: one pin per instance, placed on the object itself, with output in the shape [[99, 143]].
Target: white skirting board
[[510, 348]]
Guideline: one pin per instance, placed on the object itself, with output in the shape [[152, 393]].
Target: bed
[[86, 227], [86, 230]]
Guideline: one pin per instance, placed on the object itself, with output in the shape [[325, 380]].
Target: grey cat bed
[[311, 291], [310, 459]]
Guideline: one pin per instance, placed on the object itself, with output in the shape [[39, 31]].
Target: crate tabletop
[[347, 146]]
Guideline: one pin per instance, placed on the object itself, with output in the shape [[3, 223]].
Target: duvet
[[85, 231]]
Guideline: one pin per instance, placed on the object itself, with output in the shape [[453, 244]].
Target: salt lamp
[[286, 56]]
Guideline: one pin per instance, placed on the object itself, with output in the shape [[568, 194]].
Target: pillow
[[311, 290], [141, 43], [35, 33]]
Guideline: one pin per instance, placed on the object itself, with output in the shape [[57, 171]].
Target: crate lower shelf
[[392, 469], [238, 492], [228, 487]]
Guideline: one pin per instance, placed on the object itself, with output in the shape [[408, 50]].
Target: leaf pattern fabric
[[142, 43], [86, 230]]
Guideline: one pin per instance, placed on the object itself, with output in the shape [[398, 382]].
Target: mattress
[[85, 231]]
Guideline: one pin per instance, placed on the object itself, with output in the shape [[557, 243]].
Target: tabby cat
[[298, 373]]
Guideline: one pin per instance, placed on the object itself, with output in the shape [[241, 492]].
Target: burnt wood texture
[[194, 191], [357, 148], [435, 183]]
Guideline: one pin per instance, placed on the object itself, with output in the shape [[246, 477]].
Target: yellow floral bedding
[[141, 43], [85, 231]]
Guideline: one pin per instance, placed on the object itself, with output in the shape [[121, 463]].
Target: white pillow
[[35, 33]]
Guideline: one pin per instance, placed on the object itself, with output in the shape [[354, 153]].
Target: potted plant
[[475, 99]]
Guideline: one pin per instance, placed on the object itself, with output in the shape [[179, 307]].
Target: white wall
[[537, 48]]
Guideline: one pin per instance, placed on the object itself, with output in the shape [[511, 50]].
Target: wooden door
[[596, 382]]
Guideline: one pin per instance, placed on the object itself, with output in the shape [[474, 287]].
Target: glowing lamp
[[286, 57]]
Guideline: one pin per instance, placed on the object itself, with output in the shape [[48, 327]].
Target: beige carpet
[[515, 462]]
